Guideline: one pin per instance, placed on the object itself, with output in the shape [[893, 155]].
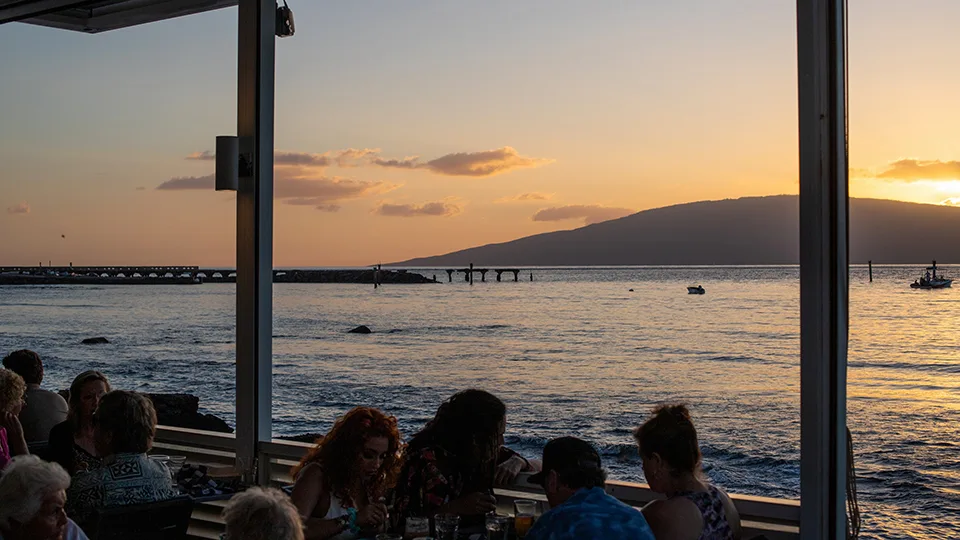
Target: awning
[[101, 15]]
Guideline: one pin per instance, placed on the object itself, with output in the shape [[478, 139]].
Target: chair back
[[162, 520]]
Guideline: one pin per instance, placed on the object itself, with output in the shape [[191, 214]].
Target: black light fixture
[[285, 26]]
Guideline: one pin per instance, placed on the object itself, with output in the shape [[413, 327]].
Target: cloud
[[352, 157], [141, 188], [179, 183], [301, 159], [292, 187], [524, 197], [476, 164], [952, 201], [590, 213], [206, 155], [19, 208], [436, 209], [911, 170]]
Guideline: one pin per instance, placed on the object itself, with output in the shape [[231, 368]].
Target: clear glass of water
[[448, 525], [416, 527]]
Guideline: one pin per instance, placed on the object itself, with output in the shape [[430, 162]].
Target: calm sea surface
[[574, 352]]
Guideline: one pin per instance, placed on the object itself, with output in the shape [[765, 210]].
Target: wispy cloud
[[434, 209], [526, 197], [476, 164], [911, 170], [952, 201], [19, 208], [321, 192], [589, 213]]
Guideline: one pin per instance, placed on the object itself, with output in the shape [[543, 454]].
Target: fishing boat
[[696, 290], [930, 280]]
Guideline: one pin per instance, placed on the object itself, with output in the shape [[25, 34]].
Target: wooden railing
[[777, 519]]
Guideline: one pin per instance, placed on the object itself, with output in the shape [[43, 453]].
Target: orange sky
[[523, 117]]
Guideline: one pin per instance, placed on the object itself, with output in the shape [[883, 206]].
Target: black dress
[[64, 450]]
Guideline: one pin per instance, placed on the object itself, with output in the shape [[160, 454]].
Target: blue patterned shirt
[[591, 513], [123, 479]]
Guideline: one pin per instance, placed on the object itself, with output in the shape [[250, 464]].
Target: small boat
[[930, 280], [696, 290]]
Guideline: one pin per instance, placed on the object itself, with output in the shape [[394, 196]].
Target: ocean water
[[574, 352]]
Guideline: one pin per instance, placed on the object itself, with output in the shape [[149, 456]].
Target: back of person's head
[[126, 422], [262, 514], [26, 481], [12, 389], [670, 434], [468, 424], [338, 451], [25, 363]]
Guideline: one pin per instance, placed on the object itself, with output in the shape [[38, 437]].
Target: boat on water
[[930, 280], [696, 290]]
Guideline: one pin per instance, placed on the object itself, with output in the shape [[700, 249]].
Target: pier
[[468, 273], [183, 275]]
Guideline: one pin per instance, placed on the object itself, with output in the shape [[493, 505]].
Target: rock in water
[[95, 341], [361, 330]]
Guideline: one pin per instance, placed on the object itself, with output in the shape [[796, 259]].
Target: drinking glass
[[448, 525], [416, 527], [175, 463], [526, 510], [496, 527]]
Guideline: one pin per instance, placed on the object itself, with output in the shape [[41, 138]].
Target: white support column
[[821, 40], [255, 108]]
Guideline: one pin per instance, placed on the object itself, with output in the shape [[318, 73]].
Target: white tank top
[[337, 510]]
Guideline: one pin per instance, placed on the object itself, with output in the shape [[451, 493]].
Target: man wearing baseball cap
[[573, 478]]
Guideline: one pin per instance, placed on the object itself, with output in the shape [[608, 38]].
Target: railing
[[777, 519]]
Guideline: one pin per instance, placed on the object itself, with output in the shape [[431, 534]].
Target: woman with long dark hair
[[341, 482], [72, 443], [450, 464], [694, 509]]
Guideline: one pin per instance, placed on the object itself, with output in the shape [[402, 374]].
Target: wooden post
[[870, 269], [531, 276], [471, 273]]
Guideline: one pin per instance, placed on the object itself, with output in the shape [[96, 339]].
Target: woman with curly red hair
[[340, 484]]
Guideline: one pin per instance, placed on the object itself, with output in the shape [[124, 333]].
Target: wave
[[936, 367]]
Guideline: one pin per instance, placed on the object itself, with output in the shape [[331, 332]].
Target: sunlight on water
[[572, 352]]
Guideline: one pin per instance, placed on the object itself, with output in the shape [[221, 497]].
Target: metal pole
[[821, 40], [255, 102]]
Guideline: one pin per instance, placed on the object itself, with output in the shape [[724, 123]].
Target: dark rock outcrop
[[360, 330], [95, 341], [303, 437], [181, 410]]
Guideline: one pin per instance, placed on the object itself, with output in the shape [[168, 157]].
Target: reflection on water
[[573, 352]]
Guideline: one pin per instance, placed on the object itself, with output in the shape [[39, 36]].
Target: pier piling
[[870, 270], [471, 273]]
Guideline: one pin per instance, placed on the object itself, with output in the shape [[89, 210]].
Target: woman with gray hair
[[262, 514], [32, 495]]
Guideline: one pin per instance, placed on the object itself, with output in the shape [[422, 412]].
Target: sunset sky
[[407, 129]]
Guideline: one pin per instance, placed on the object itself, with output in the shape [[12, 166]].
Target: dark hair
[[671, 435], [25, 363], [468, 426], [76, 388], [129, 419], [582, 478], [336, 451]]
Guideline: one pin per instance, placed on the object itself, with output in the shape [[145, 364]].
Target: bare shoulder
[[676, 518], [309, 494]]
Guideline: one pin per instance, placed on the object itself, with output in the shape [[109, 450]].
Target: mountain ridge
[[746, 230]]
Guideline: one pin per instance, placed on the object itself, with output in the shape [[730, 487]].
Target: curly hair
[[12, 389], [468, 426], [335, 452], [670, 434], [262, 514]]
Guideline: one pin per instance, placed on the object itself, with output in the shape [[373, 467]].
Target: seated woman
[[693, 509], [341, 482], [12, 390], [31, 502], [124, 426], [451, 463], [261, 514], [71, 442]]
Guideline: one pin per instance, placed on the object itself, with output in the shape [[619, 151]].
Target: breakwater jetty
[[192, 275]]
